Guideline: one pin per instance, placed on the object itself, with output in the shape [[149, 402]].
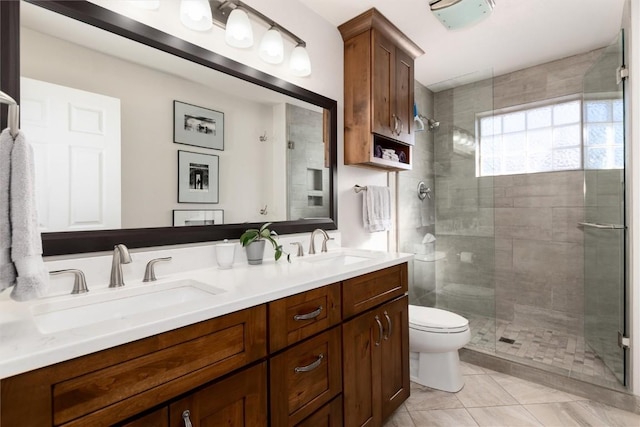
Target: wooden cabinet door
[[305, 377], [395, 355], [383, 86], [330, 415], [157, 418], [362, 337], [239, 400], [404, 85]]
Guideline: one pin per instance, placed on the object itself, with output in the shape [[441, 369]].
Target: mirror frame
[[60, 243]]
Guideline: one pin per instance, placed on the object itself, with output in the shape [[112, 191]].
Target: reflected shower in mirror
[[115, 165]]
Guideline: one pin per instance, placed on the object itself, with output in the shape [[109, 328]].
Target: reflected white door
[[75, 137]]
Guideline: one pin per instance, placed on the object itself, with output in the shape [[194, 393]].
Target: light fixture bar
[[220, 10]]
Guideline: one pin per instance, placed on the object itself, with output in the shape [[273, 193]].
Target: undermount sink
[[336, 259], [115, 305]]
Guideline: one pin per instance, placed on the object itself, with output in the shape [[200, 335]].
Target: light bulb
[[196, 14], [272, 47], [238, 32], [300, 64]]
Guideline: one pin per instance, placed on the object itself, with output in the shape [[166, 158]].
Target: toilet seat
[[434, 320]]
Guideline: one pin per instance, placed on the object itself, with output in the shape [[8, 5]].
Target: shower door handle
[[602, 226]]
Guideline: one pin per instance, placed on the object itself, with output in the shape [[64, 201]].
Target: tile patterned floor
[[493, 399], [557, 352]]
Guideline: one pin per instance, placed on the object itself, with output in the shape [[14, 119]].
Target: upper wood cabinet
[[378, 91]]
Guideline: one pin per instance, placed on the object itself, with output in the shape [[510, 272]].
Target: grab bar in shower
[[602, 226]]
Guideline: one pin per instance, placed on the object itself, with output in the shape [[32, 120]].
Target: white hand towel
[[7, 269], [26, 245], [376, 209]]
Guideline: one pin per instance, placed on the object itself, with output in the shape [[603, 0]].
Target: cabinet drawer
[[106, 387], [305, 377], [330, 415], [239, 400], [300, 316], [372, 289]]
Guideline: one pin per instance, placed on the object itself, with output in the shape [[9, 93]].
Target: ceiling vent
[[456, 14]]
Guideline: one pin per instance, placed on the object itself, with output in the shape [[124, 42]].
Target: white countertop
[[23, 347]]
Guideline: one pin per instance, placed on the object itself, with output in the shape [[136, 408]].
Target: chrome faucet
[[312, 247], [120, 256], [79, 283], [150, 272]]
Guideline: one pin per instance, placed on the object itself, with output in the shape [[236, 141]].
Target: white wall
[[149, 155], [325, 48]]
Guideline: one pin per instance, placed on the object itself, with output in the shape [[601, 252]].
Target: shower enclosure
[[524, 231]]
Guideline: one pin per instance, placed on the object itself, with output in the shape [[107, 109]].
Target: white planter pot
[[255, 252]]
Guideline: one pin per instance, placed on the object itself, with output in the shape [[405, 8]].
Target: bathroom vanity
[[320, 341]]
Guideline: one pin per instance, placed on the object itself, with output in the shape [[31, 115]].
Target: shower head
[[421, 120]]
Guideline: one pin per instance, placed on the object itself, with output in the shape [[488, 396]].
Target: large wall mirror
[[144, 139]]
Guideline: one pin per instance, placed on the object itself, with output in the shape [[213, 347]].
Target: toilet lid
[[435, 320]]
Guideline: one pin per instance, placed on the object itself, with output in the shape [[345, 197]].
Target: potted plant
[[254, 239]]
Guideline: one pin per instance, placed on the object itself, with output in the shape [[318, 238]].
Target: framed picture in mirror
[[188, 217], [197, 177], [198, 126]]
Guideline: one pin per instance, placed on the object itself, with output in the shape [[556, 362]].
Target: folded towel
[[376, 209], [7, 269], [26, 244]]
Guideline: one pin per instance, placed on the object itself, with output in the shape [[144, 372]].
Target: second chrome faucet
[[120, 256]]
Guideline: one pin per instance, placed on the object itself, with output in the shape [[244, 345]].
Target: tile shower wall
[[307, 177], [509, 239], [416, 218]]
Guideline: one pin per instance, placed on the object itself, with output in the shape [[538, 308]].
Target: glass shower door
[[604, 218]]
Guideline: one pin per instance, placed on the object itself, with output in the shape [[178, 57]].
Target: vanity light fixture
[[238, 31], [196, 14], [299, 63], [456, 14], [272, 46]]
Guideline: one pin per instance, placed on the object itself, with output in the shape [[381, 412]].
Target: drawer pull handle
[[380, 330], [386, 337], [308, 316], [185, 418], [310, 367]]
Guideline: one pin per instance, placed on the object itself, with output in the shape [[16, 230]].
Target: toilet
[[434, 339]]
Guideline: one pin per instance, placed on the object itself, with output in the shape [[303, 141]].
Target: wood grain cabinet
[[239, 401], [107, 387], [375, 346], [378, 91], [331, 356], [305, 377]]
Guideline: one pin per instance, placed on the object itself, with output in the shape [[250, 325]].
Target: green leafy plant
[[254, 234]]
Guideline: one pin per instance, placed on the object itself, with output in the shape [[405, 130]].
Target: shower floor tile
[[540, 347]]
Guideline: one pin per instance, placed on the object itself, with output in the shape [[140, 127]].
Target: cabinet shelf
[[378, 91]]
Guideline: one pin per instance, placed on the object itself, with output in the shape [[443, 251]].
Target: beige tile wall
[[522, 229]]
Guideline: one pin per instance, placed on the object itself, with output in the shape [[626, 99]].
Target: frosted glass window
[[541, 162], [491, 125], [539, 140], [539, 117], [566, 136], [566, 159], [513, 122], [604, 134], [618, 111], [598, 111], [530, 140], [566, 112], [514, 141]]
